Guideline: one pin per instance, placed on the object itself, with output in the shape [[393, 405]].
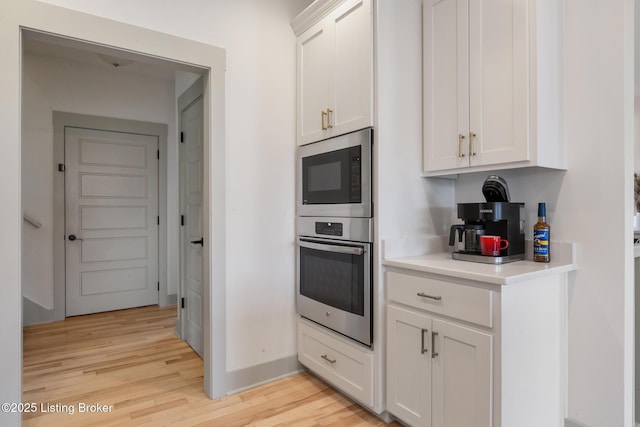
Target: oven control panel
[[329, 228]]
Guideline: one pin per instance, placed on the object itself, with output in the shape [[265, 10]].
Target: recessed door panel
[[114, 249], [113, 217], [111, 153], [117, 186], [113, 281]]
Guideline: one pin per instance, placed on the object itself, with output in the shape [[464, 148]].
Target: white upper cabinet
[[335, 68], [492, 85]]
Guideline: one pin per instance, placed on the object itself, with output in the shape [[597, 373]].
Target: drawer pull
[[422, 349], [434, 354], [423, 295], [325, 357]]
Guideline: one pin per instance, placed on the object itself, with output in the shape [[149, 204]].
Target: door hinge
[[158, 286], [181, 136], [60, 167], [158, 154], [182, 302], [158, 220], [181, 219]]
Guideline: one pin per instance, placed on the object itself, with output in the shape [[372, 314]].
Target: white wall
[[55, 84], [590, 204], [407, 204], [636, 130], [260, 133]]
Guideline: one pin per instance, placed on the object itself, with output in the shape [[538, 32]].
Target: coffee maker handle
[[452, 233]]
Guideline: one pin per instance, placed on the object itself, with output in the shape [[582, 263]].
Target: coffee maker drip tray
[[465, 256]]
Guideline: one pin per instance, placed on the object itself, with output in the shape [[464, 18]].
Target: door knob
[[198, 242], [72, 237]]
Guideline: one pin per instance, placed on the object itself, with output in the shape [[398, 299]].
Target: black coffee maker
[[495, 217]]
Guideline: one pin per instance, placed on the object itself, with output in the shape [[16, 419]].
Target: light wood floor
[[132, 360]]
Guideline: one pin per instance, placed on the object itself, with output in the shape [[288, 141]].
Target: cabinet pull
[[422, 349], [472, 148], [324, 119], [434, 354], [460, 143], [325, 357], [329, 111], [423, 295]]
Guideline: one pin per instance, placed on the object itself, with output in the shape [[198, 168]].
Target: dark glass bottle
[[541, 237]]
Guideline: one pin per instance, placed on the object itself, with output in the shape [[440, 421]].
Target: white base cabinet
[[343, 363], [439, 373], [444, 369]]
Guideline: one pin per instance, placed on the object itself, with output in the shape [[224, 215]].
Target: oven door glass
[[334, 274], [332, 178]]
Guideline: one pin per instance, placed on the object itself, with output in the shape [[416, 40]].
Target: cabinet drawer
[[458, 301], [343, 364]]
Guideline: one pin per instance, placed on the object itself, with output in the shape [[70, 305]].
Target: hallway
[[132, 365]]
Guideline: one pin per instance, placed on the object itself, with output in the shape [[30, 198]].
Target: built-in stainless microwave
[[334, 176]]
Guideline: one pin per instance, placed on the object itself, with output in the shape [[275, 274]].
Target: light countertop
[[440, 262]]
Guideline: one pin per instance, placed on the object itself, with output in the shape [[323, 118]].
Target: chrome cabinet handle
[[325, 357], [460, 143], [329, 111], [472, 148], [423, 295], [324, 120], [422, 349], [434, 354]]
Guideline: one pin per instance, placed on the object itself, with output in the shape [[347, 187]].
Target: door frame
[[61, 120], [21, 18]]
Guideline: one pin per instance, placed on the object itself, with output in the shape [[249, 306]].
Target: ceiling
[[88, 53]]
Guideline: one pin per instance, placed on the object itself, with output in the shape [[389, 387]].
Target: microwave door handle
[[332, 248]]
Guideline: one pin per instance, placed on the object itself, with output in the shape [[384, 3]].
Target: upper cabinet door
[[353, 68], [335, 69], [498, 76], [314, 59], [492, 85], [446, 84]]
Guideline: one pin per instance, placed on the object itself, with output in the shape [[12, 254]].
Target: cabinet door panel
[[408, 366], [498, 75], [462, 387], [352, 74], [313, 63], [446, 84]]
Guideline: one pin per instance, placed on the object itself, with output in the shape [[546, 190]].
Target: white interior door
[[111, 225], [191, 149]]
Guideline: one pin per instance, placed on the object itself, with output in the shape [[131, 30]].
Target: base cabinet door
[[409, 366], [461, 376], [438, 373]]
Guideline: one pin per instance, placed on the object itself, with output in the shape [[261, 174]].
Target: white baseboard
[[243, 379]]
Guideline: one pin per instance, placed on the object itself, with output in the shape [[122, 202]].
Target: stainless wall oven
[[334, 176], [334, 274]]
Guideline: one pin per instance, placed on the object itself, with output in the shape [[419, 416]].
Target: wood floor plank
[[131, 361]]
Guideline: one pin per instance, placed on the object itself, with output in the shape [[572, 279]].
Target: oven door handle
[[332, 248]]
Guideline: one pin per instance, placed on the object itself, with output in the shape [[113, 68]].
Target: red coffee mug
[[492, 245]]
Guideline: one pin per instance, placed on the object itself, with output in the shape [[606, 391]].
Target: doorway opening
[[78, 61]]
